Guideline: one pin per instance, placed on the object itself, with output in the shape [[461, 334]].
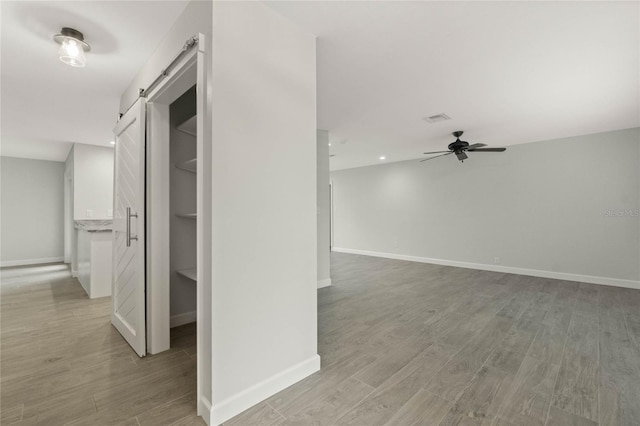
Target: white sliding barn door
[[128, 292]]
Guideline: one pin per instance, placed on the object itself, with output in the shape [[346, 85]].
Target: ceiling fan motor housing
[[458, 145]]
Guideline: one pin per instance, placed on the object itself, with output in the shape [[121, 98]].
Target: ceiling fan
[[460, 148]]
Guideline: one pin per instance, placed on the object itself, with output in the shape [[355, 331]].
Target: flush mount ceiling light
[[72, 47]]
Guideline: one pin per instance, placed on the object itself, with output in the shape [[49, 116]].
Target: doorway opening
[[171, 226], [183, 205], [183, 218], [178, 200]]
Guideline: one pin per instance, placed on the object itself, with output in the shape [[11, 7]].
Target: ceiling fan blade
[[488, 150], [474, 146], [431, 158], [435, 152]]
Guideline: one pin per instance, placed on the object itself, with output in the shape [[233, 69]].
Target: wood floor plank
[[169, 412], [382, 404], [261, 414], [129, 422], [23, 390], [424, 408], [587, 298], [330, 406], [307, 391], [529, 397], [386, 366], [56, 411], [193, 420], [559, 417], [457, 373], [549, 342], [481, 400], [525, 408], [510, 352], [619, 386], [135, 398], [576, 389], [11, 415], [514, 308]]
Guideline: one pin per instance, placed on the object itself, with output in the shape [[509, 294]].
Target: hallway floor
[[406, 343], [401, 344], [63, 363]]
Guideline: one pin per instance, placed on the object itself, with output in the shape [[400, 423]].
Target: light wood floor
[[406, 343], [61, 361], [401, 344]]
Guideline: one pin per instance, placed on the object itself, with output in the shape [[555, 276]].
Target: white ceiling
[[506, 72], [47, 105]]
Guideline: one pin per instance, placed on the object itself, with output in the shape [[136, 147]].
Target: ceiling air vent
[[436, 118]]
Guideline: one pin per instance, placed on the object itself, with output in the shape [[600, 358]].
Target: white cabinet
[[94, 257]]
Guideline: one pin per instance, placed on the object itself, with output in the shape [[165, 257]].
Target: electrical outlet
[[89, 213], [496, 260], [109, 213]]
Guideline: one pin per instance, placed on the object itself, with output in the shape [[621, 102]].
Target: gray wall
[[542, 206], [92, 181], [32, 208], [324, 209]]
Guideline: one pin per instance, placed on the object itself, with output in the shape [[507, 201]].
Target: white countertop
[[94, 225]]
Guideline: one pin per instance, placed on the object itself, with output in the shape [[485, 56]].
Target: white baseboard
[[204, 410], [74, 273], [182, 319], [324, 283], [26, 262], [236, 404], [615, 282]]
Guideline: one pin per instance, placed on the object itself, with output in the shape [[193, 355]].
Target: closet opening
[[183, 197], [179, 214]]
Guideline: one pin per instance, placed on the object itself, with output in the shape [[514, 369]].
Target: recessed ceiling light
[[112, 142], [382, 157], [72, 47], [329, 143]]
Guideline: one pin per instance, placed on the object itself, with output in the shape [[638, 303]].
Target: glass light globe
[[72, 53]]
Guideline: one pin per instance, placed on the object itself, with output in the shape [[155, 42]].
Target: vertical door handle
[[129, 236]]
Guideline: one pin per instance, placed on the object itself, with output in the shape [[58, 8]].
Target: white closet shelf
[[188, 126], [191, 273], [190, 165], [187, 215]]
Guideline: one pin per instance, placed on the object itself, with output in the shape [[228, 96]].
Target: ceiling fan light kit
[[72, 47], [460, 148]]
